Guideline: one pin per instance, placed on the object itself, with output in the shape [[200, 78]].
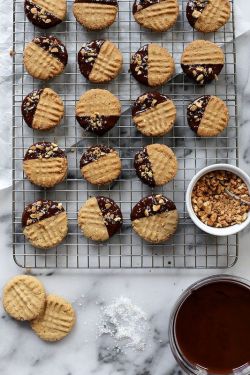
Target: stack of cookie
[[154, 217], [51, 317]]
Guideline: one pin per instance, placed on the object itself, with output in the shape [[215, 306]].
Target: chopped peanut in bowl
[[214, 206]]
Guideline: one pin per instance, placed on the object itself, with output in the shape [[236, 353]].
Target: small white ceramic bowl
[[211, 230]]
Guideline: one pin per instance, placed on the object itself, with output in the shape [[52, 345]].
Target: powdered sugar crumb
[[125, 322]]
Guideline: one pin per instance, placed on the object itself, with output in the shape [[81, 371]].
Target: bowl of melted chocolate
[[209, 328]]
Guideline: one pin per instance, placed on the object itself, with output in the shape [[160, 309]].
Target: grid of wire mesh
[[189, 247]]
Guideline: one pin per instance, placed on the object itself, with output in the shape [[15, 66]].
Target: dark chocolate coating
[[44, 150], [142, 4], [104, 2], [97, 124], [139, 65], [40, 210], [143, 167], [29, 106], [88, 55], [147, 101], [39, 16], [194, 5], [54, 46], [152, 205], [94, 153], [195, 111], [208, 71], [111, 214]]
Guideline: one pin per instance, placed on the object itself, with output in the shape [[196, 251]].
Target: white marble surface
[[155, 292]]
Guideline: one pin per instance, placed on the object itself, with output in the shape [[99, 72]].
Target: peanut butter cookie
[[45, 13]]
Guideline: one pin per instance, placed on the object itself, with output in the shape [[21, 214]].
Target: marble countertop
[[83, 352]]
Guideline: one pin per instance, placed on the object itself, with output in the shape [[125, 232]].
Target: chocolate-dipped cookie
[[202, 61], [45, 13], [154, 218], [42, 109], [154, 114], [208, 15], [100, 165], [45, 57], [98, 111], [45, 223], [45, 164], [100, 61], [95, 14], [99, 218], [155, 164], [152, 65], [157, 15], [207, 116]]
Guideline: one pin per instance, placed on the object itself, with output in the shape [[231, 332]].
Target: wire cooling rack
[[189, 247]]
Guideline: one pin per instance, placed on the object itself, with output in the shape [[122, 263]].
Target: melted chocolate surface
[[111, 214], [152, 205], [104, 2], [88, 55], [93, 154], [142, 4], [194, 10], [139, 65], [202, 73], [147, 101], [44, 150], [97, 124], [53, 46], [29, 106], [40, 210], [218, 338], [39, 16], [195, 111], [143, 167]]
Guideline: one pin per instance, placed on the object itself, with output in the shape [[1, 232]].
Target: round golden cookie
[[45, 13], [100, 218], [95, 14], [207, 116], [154, 114], [100, 61], [56, 321], [24, 297], [154, 218], [156, 15], [100, 165], [45, 164], [45, 57], [45, 223], [156, 164], [98, 111], [202, 61], [152, 65], [208, 15], [42, 109]]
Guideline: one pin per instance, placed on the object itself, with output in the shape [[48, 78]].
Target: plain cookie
[[24, 297], [56, 321]]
